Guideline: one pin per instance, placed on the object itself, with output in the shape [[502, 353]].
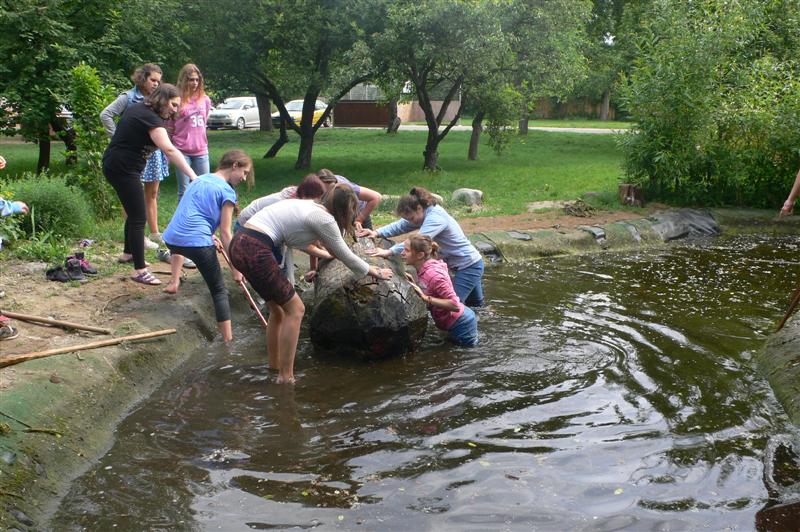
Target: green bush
[[715, 92], [88, 96], [57, 208]]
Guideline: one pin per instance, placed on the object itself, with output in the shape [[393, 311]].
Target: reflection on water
[[609, 392]]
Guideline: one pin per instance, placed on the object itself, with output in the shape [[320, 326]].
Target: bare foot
[[285, 380], [171, 288]]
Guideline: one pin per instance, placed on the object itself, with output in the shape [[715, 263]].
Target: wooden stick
[[16, 359], [792, 305], [64, 324], [246, 291]]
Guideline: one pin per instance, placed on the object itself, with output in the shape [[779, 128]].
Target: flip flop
[[146, 278]]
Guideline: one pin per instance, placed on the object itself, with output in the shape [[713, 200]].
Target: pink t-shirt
[[190, 127], [435, 281]]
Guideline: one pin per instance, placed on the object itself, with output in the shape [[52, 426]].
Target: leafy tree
[[41, 40], [288, 49], [547, 39], [714, 91], [439, 47], [88, 96]]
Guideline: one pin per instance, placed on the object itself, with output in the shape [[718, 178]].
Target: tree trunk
[[604, 106], [523, 119], [394, 120], [264, 111], [283, 138], [431, 153], [68, 135], [306, 147], [477, 127], [44, 153]]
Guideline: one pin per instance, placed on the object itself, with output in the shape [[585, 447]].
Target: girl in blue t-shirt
[[207, 204]]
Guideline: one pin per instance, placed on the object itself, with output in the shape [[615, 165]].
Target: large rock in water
[[364, 317]]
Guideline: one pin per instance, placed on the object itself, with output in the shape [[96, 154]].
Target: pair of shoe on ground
[[73, 270], [152, 242]]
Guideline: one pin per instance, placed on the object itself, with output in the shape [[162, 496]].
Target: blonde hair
[[424, 244], [238, 158], [183, 83]]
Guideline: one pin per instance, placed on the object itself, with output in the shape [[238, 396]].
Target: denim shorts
[[465, 330]]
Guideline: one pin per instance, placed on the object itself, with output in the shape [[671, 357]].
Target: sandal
[[146, 278], [7, 332]]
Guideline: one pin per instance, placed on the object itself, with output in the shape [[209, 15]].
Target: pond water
[[609, 392]]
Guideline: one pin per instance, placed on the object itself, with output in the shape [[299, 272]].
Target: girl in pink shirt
[[436, 288], [189, 135]]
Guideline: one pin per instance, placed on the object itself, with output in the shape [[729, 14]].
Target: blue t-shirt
[[198, 213]]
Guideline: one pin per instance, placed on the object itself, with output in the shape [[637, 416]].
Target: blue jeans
[[199, 164], [465, 330], [467, 284]]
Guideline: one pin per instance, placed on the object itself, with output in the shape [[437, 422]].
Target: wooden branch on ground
[[48, 321], [16, 359]]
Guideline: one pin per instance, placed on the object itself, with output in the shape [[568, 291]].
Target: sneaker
[[156, 237], [188, 263], [7, 332], [149, 244], [164, 255]]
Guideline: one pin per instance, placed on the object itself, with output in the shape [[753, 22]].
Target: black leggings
[[206, 260], [131, 194]]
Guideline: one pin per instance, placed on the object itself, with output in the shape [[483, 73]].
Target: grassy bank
[[540, 166]]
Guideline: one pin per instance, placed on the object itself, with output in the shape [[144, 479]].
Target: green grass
[[540, 166]]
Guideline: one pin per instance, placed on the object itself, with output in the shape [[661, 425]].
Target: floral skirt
[[157, 167]]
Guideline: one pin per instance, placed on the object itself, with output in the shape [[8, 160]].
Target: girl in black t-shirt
[[139, 132]]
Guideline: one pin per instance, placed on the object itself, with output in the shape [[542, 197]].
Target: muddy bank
[[58, 414], [79, 398]]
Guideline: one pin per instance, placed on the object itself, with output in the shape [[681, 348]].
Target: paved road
[[588, 130]]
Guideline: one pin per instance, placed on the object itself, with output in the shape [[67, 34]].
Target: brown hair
[[311, 187], [158, 100], [424, 244], [140, 75], [238, 158], [327, 177], [342, 203], [417, 197], [183, 83]]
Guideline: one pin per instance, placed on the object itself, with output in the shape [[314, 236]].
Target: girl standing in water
[[418, 210], [296, 223], [436, 289], [208, 205]]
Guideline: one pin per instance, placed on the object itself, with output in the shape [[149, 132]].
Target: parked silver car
[[239, 112]]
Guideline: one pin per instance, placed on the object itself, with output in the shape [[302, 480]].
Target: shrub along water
[[59, 209]]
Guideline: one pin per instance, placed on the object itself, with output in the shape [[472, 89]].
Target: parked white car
[[239, 112]]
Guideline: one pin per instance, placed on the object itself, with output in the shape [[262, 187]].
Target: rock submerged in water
[[363, 317]]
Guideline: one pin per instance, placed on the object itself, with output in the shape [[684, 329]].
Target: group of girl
[[314, 217]]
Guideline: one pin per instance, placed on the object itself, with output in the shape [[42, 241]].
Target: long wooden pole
[[246, 291], [16, 359], [48, 321]]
